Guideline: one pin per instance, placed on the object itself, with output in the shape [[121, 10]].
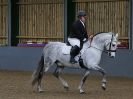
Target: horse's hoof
[[104, 88], [66, 88], [40, 90], [82, 92]]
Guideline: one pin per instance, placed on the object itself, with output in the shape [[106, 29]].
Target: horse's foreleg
[[57, 75], [104, 81], [83, 81]]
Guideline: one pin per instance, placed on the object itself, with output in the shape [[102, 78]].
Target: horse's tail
[[38, 73]]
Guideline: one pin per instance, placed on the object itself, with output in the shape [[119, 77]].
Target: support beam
[[131, 24], [9, 22]]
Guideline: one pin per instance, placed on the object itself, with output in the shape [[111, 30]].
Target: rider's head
[[81, 15]]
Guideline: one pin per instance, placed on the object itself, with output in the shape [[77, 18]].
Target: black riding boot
[[74, 51]]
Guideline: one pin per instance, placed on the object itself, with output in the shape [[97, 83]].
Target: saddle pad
[[66, 49]]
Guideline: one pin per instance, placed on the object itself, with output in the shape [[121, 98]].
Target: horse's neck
[[86, 44], [99, 41], [98, 45]]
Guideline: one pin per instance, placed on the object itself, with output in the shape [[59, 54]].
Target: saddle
[[66, 51]]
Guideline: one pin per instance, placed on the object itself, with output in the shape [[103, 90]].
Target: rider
[[78, 35]]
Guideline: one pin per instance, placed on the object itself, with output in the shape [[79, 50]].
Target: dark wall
[[121, 65], [26, 59]]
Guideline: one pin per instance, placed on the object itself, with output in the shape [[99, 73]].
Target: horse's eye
[[113, 45]]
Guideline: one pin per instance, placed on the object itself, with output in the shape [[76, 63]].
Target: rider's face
[[83, 19]]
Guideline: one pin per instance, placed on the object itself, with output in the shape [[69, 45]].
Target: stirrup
[[73, 61]]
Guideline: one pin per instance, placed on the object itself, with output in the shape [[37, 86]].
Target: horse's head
[[111, 45]]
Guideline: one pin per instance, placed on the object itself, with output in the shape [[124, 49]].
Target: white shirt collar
[[82, 23]]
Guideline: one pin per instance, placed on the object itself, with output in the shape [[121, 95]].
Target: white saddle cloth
[[66, 49]]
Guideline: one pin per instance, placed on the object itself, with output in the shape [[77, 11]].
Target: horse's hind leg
[[42, 73], [39, 88], [38, 74], [57, 75]]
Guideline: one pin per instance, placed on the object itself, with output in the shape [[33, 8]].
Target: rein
[[106, 51]]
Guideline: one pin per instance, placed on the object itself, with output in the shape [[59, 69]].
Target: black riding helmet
[[81, 13]]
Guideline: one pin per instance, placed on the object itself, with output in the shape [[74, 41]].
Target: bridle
[[109, 50]]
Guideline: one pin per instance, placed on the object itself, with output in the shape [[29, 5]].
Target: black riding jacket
[[78, 31]]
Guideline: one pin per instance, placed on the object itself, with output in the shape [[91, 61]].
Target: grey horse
[[59, 53]]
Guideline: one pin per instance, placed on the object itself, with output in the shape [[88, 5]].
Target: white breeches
[[74, 41]]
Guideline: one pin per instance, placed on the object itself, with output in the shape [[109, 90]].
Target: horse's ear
[[116, 35]]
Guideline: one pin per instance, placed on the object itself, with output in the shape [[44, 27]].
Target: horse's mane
[[99, 33]]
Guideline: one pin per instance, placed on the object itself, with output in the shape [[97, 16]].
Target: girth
[[81, 63]]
